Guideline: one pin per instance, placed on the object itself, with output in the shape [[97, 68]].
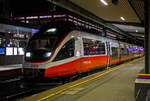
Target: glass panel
[[93, 47], [9, 50], [66, 51], [42, 44], [114, 52]]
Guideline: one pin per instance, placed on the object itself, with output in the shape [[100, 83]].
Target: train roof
[[65, 27]]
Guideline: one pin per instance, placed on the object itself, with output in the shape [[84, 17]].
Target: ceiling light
[[122, 18], [104, 2]]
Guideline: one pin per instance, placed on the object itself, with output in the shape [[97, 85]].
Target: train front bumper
[[34, 74]]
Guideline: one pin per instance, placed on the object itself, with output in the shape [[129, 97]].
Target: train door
[[108, 53]]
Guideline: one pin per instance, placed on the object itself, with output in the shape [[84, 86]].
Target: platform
[[8, 72], [115, 84]]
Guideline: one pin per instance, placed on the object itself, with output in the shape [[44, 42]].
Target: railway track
[[15, 89]]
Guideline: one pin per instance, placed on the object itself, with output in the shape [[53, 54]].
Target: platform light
[[104, 2], [122, 18]]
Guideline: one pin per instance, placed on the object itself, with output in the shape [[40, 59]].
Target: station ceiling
[[110, 12], [131, 10]]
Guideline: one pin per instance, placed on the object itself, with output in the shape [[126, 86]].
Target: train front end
[[40, 50]]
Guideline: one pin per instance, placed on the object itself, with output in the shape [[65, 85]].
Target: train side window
[[123, 52], [66, 51], [130, 50], [86, 46], [93, 47], [100, 48], [114, 52]]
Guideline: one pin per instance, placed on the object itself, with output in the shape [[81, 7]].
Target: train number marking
[[87, 62]]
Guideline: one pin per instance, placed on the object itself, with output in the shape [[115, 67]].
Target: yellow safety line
[[144, 74], [110, 70], [107, 67]]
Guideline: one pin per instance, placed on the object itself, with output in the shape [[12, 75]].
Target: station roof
[[127, 15]]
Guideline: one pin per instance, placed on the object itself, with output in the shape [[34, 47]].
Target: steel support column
[[147, 35]]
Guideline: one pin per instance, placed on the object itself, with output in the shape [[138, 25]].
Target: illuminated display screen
[[15, 51], [20, 51], [2, 51], [9, 50]]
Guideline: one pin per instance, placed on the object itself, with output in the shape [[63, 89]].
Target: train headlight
[[28, 54], [48, 54]]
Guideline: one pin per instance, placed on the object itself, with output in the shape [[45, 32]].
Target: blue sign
[[2, 51]]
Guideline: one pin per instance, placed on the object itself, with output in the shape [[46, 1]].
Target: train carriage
[[59, 50]]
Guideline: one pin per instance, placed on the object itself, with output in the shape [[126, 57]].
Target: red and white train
[[58, 50]]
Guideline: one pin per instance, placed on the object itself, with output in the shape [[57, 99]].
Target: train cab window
[[93, 47], [114, 52], [66, 51]]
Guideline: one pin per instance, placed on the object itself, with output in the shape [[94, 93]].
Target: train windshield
[[42, 44], [41, 48]]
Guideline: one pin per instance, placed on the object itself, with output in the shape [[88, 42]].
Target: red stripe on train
[[78, 65]]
